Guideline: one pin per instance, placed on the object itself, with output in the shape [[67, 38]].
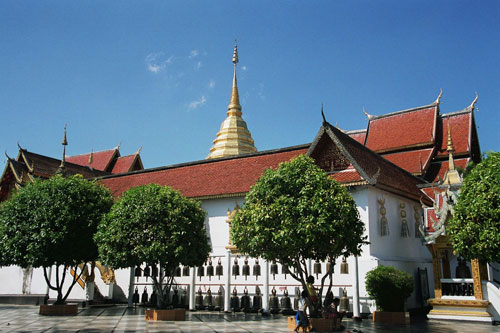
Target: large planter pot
[[317, 324], [391, 317], [59, 310], [170, 315]]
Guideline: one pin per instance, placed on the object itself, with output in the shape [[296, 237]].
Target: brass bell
[[201, 271], [137, 273], [177, 271], [344, 301], [219, 270], [317, 268], [185, 271], [284, 269], [144, 297], [147, 272], [256, 269], [246, 268], [274, 269], [344, 267], [154, 271], [236, 268], [329, 266], [210, 269]]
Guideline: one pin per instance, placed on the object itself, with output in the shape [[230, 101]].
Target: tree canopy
[[154, 225], [52, 222], [474, 229], [297, 212]]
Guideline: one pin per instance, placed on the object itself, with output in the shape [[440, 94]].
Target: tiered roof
[[109, 161], [415, 139], [28, 166]]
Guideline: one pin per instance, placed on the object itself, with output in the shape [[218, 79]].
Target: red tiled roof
[[438, 169], [359, 136], [124, 164], [399, 130], [206, 178], [414, 161], [460, 129], [100, 159]]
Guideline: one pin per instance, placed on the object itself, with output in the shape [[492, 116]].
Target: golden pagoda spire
[[234, 103], [233, 137]]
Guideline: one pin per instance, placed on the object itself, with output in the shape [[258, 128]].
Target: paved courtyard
[[25, 318]]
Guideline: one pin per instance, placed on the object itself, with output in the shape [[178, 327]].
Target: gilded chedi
[[233, 138]]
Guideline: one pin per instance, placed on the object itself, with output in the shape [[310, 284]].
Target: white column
[[131, 286], [111, 287], [192, 286], [309, 267], [355, 295], [265, 297], [90, 289], [227, 287]]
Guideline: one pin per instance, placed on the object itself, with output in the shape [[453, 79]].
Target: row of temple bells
[[209, 302], [219, 270], [152, 270], [245, 269], [145, 299]]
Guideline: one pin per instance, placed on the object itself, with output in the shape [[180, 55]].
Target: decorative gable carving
[[328, 156]]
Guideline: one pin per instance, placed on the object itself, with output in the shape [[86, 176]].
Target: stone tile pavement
[[25, 318]]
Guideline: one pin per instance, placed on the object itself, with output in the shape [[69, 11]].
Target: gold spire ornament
[[233, 137], [451, 177]]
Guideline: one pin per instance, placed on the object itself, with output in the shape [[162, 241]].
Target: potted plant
[[155, 225], [389, 287]]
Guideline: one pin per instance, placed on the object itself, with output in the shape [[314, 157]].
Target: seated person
[[331, 312]]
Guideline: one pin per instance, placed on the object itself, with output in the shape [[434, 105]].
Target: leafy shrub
[[389, 287]]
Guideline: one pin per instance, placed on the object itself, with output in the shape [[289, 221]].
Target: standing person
[[301, 317], [313, 297]]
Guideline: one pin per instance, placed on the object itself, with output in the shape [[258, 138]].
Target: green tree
[[154, 225], [297, 212], [389, 287], [52, 222], [474, 228]]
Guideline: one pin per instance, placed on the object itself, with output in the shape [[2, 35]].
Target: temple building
[[392, 168]]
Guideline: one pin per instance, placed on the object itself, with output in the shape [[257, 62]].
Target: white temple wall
[[405, 253]]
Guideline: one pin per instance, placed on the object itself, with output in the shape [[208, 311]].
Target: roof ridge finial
[[64, 143], [471, 106], [118, 146], [138, 150], [369, 116], [91, 157], [438, 99], [323, 115]]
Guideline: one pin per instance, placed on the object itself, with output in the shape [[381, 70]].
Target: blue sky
[[157, 74]]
